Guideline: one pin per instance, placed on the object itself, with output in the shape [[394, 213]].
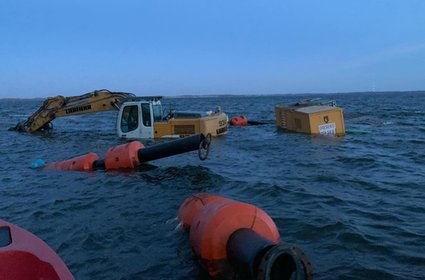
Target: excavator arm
[[59, 106]]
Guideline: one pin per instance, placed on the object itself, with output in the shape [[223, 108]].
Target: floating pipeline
[[130, 155], [23, 256], [235, 239], [243, 121]]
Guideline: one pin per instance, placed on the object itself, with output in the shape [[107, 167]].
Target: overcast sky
[[174, 47]]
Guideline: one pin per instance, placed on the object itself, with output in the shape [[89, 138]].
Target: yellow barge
[[311, 118]]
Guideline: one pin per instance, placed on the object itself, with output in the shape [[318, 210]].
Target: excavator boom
[[59, 106]]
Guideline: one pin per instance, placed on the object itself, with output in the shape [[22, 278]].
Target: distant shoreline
[[233, 95]]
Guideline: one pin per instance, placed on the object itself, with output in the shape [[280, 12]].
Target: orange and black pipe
[[130, 155], [237, 240]]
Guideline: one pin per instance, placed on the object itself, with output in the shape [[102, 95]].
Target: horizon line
[[231, 94]]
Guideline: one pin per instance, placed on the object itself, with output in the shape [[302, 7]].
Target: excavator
[[138, 117]]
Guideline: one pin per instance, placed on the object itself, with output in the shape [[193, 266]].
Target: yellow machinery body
[[215, 125], [311, 119]]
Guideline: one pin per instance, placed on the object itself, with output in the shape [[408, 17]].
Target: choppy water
[[355, 204]]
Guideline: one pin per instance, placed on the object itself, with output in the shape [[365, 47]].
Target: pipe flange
[[285, 261], [204, 147]]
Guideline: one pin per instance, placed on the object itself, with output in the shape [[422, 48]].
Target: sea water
[[354, 204]]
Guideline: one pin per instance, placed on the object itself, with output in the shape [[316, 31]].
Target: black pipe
[[99, 164], [162, 150], [257, 123], [171, 148], [255, 257]]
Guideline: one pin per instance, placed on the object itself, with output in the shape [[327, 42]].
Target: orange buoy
[[123, 156], [192, 205], [231, 237], [239, 121], [81, 163], [215, 222]]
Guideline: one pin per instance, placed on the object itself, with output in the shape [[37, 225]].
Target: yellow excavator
[[139, 117]]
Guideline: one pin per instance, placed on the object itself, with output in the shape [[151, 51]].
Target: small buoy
[[39, 163], [239, 121], [233, 238]]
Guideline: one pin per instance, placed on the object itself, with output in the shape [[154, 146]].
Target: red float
[[81, 163], [23, 256], [239, 121], [123, 156], [192, 205]]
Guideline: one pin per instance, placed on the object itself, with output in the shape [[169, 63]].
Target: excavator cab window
[[146, 114], [157, 113], [130, 118]]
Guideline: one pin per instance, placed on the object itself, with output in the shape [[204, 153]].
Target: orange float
[[123, 156], [235, 238], [192, 205], [239, 121], [81, 163], [23, 256]]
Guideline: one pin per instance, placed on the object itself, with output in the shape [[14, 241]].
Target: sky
[[178, 47]]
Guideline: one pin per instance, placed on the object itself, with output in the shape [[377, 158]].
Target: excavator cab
[[136, 118], [143, 118]]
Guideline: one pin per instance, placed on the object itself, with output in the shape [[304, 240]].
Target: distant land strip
[[235, 95]]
